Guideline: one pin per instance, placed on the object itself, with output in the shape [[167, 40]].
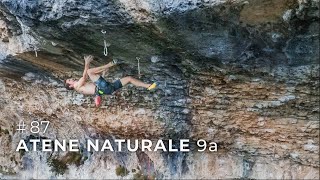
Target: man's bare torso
[[87, 88]]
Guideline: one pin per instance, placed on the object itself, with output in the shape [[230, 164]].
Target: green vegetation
[[22, 152], [122, 171], [4, 131], [59, 166], [7, 171], [140, 176], [73, 158]]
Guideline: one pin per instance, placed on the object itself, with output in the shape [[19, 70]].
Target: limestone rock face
[[243, 74], [13, 39]]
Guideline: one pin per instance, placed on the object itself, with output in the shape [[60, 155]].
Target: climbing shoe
[[152, 86]]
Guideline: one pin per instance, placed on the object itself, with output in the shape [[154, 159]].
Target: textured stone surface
[[13, 39], [248, 81], [258, 123]]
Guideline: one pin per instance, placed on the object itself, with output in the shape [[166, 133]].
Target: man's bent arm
[[84, 74], [84, 77]]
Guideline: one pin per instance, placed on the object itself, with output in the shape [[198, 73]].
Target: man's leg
[[136, 82], [94, 72]]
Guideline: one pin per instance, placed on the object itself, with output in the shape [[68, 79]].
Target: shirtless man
[[99, 86]]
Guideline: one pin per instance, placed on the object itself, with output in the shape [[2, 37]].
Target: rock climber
[[99, 86]]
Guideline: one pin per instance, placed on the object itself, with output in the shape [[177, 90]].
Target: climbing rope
[[35, 50], [138, 66], [106, 45]]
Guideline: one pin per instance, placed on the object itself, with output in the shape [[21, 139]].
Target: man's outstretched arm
[[82, 80]]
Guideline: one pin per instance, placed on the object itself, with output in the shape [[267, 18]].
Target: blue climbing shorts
[[105, 87]]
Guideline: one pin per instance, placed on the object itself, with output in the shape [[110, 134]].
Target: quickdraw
[[106, 45]]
